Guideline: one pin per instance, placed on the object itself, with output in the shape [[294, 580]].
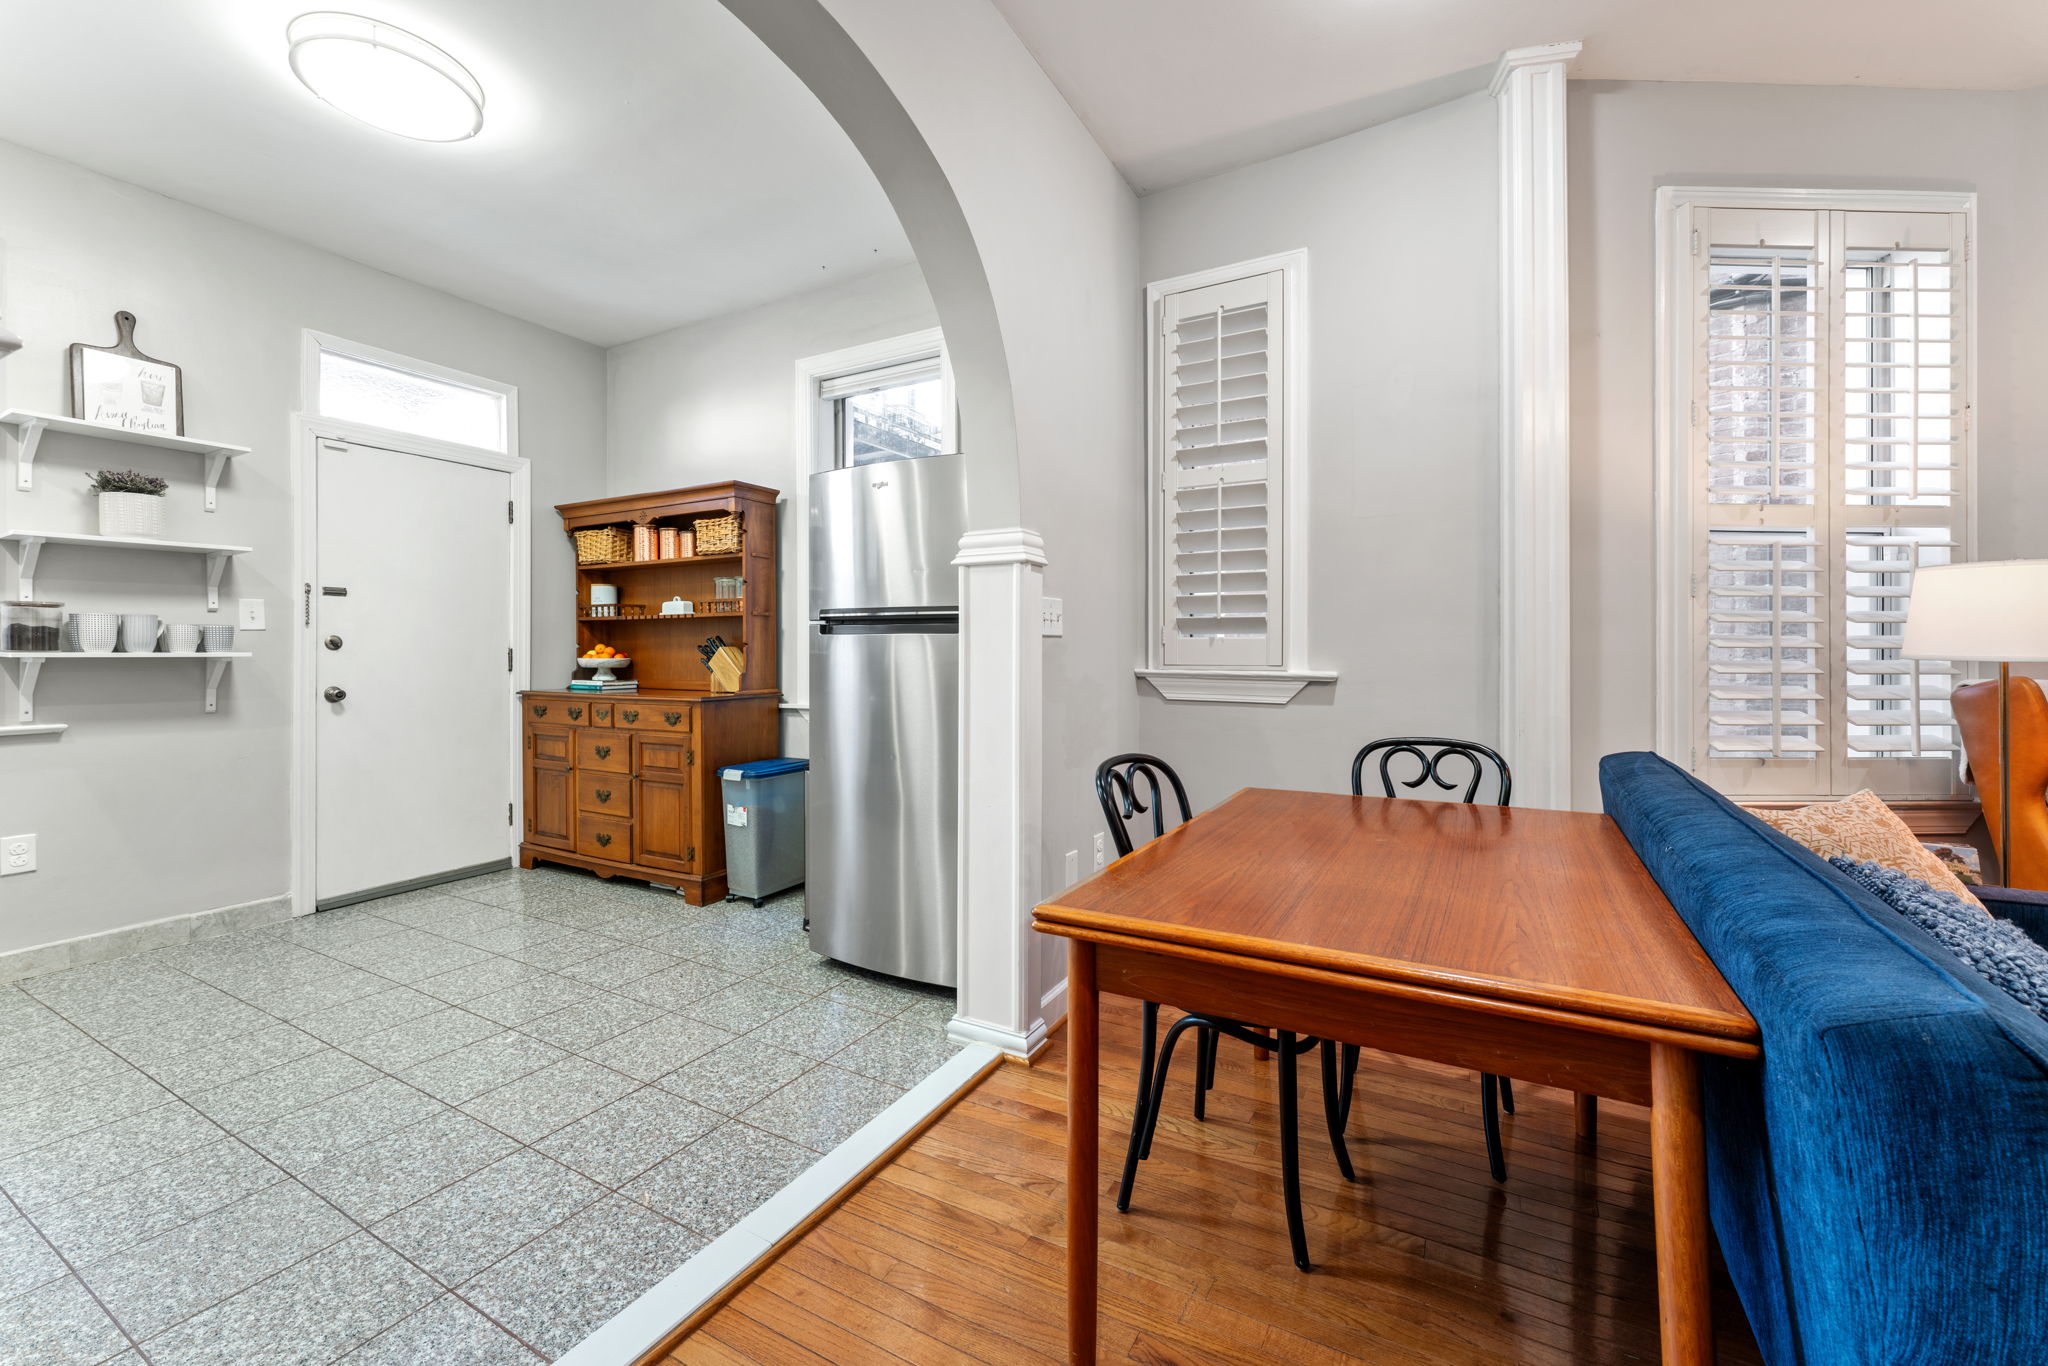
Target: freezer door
[[882, 831], [884, 535]]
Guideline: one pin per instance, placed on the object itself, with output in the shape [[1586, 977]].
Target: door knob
[[334, 642], [334, 694]]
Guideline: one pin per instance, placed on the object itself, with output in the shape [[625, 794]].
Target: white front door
[[411, 612]]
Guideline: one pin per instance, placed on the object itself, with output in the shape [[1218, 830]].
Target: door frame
[[308, 432]]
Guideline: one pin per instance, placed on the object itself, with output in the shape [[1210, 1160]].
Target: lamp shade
[[1990, 610]]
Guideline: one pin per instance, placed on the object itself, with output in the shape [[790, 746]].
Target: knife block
[[728, 667]]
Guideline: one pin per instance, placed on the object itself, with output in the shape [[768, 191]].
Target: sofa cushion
[[1863, 828], [1996, 948]]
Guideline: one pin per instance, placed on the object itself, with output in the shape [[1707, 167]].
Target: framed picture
[[118, 386]]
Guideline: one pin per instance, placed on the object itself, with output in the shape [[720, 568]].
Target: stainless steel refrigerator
[[883, 817]]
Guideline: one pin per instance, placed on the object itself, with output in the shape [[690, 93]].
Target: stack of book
[[616, 685]]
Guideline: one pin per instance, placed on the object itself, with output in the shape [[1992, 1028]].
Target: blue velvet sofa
[[1879, 1178]]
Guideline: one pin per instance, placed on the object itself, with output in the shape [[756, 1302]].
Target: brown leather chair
[[1976, 706]]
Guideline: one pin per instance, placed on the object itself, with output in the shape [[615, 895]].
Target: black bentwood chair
[[1473, 761], [1118, 787]]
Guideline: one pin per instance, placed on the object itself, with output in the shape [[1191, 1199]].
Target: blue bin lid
[[764, 768]]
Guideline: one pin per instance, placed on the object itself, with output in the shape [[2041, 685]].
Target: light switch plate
[[17, 854], [250, 615], [1052, 617]]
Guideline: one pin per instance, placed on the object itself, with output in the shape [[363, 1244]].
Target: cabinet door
[[550, 788], [662, 833]]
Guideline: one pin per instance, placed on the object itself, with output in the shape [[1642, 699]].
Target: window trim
[[314, 344], [1672, 426], [1277, 684]]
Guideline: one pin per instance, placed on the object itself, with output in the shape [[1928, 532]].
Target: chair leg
[[1348, 1054], [1290, 1151], [1159, 1073], [1489, 1115], [1333, 1110], [1507, 1095], [1139, 1118], [1205, 1070]]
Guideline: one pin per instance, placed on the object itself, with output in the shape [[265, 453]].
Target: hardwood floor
[[954, 1251]]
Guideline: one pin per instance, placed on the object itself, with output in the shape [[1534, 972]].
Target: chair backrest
[[1429, 756], [1129, 786], [1976, 707]]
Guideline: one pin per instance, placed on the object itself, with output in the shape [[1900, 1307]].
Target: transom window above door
[[377, 388], [894, 413]]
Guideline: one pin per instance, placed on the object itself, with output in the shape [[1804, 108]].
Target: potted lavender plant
[[131, 504]]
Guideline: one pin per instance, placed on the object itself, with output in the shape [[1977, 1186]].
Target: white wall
[[147, 807], [1401, 227], [1628, 138], [717, 400]]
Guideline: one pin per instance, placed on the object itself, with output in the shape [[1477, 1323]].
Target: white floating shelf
[[32, 543], [32, 662], [46, 728], [29, 428]]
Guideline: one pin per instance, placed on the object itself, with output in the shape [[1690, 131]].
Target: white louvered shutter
[[1829, 442], [1218, 458]]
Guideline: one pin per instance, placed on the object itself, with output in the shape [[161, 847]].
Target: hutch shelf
[[626, 784]]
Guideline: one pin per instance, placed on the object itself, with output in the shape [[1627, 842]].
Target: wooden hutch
[[627, 784]]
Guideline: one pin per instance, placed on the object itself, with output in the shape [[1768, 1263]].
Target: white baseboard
[[644, 1322], [1010, 1041], [1052, 1007], [153, 934]]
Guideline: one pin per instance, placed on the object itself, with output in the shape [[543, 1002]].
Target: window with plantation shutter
[[1819, 383]]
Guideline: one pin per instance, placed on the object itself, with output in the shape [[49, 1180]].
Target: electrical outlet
[[250, 617], [17, 854], [1101, 852], [1052, 617], [1073, 866]]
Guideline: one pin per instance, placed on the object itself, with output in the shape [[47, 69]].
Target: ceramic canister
[[138, 633]]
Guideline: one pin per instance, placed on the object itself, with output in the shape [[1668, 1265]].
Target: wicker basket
[[718, 536], [602, 545]]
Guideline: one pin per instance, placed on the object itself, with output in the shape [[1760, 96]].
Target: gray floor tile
[[56, 1171], [33, 1123], [933, 1012], [366, 1015], [203, 1025], [384, 1176], [673, 988], [744, 1006], [41, 1041], [26, 1261], [327, 930], [116, 1012], [657, 1047], [264, 1096], [169, 1278], [20, 1012], [445, 1333], [417, 1040], [732, 1077], [482, 1066], [57, 1073], [818, 1028], [721, 1178], [602, 1017], [573, 910], [478, 979], [805, 974], [541, 1102], [623, 964], [457, 1232], [880, 995], [156, 1199], [822, 1108], [410, 955], [530, 999], [245, 1055], [747, 954], [306, 1138], [307, 991], [568, 1281], [640, 923], [617, 1143], [134, 976], [898, 1052], [439, 914], [563, 948], [57, 1324], [305, 1315]]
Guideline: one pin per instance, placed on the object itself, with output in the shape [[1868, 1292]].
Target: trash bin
[[764, 826]]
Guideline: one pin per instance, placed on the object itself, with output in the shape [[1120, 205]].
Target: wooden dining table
[[1529, 944]]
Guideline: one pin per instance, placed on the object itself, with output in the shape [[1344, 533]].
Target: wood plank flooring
[[953, 1252]]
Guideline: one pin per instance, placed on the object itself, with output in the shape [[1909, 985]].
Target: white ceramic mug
[[138, 633], [96, 632], [181, 638], [217, 640]]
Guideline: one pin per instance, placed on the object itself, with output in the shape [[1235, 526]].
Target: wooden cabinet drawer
[[668, 716], [606, 794], [550, 746], [601, 713], [554, 711], [576, 711], [604, 837], [603, 751]]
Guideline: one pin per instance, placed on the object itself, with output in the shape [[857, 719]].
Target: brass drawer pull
[[604, 751], [540, 711], [575, 713], [672, 717], [600, 714], [604, 841], [631, 716], [604, 795]]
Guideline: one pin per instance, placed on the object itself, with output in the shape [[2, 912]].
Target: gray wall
[[717, 400], [1628, 138], [147, 807], [1401, 227]]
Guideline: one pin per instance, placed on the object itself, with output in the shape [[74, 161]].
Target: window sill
[[1266, 687]]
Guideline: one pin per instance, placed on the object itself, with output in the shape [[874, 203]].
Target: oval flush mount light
[[385, 76]]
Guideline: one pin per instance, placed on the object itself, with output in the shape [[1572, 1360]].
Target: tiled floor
[[461, 1127]]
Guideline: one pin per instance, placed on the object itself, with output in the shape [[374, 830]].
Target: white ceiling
[[1178, 89], [633, 174]]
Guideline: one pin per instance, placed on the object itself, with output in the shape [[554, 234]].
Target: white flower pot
[[131, 514]]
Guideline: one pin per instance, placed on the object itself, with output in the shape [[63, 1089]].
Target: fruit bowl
[[604, 664]]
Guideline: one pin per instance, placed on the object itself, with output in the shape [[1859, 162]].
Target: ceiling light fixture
[[385, 76]]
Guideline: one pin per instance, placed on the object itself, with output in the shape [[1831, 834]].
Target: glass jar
[[31, 626]]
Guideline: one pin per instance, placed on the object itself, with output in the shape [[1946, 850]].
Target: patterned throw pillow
[[1998, 949], [1862, 828]]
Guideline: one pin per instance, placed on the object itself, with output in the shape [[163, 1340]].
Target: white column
[[1002, 579], [1535, 448]]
